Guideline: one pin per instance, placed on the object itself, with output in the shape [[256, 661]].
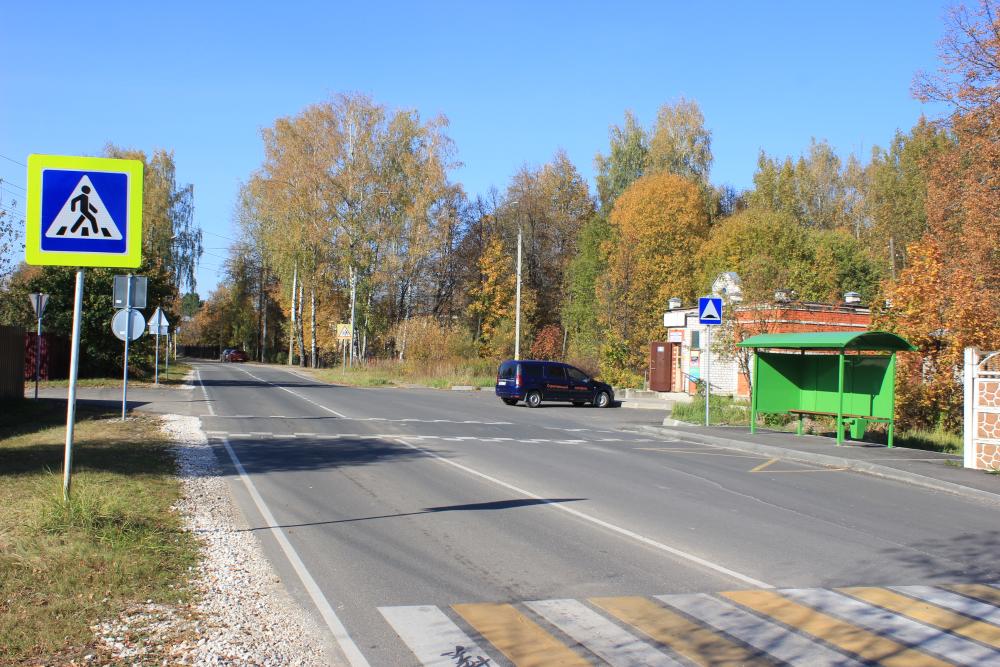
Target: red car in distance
[[237, 355]]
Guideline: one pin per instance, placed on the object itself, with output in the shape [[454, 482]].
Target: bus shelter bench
[[858, 422]]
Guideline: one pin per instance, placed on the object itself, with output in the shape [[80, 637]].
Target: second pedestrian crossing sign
[[83, 211]]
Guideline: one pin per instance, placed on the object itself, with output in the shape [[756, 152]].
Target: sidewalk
[[918, 467], [176, 399]]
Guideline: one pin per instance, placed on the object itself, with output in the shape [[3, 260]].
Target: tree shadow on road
[[465, 507], [286, 454]]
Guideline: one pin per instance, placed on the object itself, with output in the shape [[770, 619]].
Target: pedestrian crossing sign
[[343, 331], [83, 211]]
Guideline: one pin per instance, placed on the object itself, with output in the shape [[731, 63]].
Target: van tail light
[[517, 380]]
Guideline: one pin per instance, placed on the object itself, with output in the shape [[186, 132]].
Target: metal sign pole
[[708, 371], [166, 348], [74, 364], [128, 336], [38, 342], [156, 356]]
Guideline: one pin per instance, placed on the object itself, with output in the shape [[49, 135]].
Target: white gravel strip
[[243, 614]]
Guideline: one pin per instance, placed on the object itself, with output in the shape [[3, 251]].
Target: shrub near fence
[[11, 362]]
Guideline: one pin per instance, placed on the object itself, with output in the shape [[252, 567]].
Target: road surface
[[445, 528]]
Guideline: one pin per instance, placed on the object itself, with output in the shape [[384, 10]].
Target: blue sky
[[517, 80]]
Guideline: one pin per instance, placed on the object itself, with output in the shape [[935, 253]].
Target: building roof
[[831, 340]]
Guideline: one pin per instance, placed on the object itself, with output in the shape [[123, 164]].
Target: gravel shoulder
[[242, 615]]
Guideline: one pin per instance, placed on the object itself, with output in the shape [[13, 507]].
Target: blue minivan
[[537, 381]]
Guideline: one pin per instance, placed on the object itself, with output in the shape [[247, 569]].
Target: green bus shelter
[[848, 375]]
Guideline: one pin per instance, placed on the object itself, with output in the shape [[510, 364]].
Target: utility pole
[[517, 306], [291, 336], [354, 282]]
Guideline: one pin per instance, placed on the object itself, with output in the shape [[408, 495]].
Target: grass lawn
[[437, 374], [63, 567], [171, 377]]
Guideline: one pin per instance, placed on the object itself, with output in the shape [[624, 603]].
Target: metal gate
[[660, 366], [981, 448]]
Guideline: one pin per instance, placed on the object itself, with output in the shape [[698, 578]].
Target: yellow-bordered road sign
[[343, 331], [83, 211]]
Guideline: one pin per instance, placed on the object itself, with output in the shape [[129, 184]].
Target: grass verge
[[65, 567], [439, 374], [172, 377], [724, 411]]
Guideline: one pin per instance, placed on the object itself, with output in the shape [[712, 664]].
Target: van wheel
[[602, 400], [533, 399], [509, 401]]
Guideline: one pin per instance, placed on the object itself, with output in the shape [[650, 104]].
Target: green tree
[[580, 307], [896, 192], [625, 162], [680, 143]]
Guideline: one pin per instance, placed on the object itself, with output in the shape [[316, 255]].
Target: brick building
[[685, 337]]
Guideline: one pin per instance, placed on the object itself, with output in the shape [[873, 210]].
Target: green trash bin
[[858, 428]]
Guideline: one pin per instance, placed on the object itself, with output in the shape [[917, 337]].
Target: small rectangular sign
[[138, 291]]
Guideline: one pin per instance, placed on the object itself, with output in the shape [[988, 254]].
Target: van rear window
[[507, 370]]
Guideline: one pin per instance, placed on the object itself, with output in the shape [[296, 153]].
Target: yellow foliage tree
[[492, 302], [658, 225]]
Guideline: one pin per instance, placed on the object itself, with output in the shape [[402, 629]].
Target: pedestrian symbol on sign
[[83, 216]]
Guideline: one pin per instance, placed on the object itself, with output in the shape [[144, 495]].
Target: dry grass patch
[[65, 567]]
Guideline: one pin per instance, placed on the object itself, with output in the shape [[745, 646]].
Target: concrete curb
[[875, 469]]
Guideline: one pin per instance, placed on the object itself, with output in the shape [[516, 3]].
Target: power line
[[4, 182], [12, 160]]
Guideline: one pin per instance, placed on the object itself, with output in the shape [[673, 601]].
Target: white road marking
[[347, 645], [433, 637], [953, 601], [295, 393], [896, 627], [770, 637], [599, 635], [756, 583]]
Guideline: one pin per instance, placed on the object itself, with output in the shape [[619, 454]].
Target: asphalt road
[[435, 527]]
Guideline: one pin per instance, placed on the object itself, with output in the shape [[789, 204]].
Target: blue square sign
[[710, 310]]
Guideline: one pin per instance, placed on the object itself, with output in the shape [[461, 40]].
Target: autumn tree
[[657, 226], [492, 302], [949, 296], [895, 192]]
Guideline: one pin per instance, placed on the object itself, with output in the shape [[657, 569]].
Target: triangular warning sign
[[710, 312], [84, 216]]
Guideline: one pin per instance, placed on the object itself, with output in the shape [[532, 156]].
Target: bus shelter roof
[[881, 341]]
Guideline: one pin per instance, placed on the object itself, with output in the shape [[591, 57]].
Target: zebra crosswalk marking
[[776, 640], [845, 636], [519, 638], [929, 614], [899, 628], [599, 635], [433, 637], [990, 594], [700, 645], [953, 601]]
